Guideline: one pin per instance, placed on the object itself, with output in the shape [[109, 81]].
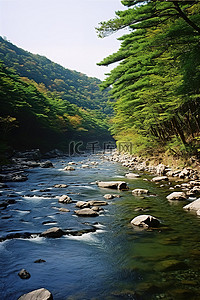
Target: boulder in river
[[145, 221], [177, 196], [40, 294], [160, 178], [82, 204], [72, 163], [23, 274], [120, 185], [39, 261], [132, 175], [194, 205], [65, 199], [46, 164], [54, 232], [63, 209], [108, 196], [69, 168], [86, 212], [60, 186], [140, 191], [85, 166], [97, 203]]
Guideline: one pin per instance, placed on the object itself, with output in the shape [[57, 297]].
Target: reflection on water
[[115, 262]]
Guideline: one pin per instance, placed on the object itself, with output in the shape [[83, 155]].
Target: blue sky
[[62, 30]]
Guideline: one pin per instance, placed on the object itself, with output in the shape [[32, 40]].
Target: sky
[[62, 30]]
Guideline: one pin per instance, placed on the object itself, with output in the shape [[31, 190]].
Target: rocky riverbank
[[186, 181]]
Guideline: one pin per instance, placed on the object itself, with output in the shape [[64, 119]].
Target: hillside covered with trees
[[156, 85], [44, 105]]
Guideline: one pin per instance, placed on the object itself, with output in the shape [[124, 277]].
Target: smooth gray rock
[[82, 204], [86, 212], [140, 191], [40, 294], [69, 168], [132, 175], [177, 196], [65, 199], [60, 186], [160, 178], [62, 209], [54, 232], [194, 205], [145, 221], [120, 185]]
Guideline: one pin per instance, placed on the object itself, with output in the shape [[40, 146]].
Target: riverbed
[[117, 260]]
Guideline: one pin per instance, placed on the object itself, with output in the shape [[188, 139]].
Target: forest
[[46, 106], [156, 84]]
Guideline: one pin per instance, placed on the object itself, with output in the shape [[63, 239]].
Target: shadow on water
[[115, 262]]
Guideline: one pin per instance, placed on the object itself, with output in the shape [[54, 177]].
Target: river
[[116, 261]]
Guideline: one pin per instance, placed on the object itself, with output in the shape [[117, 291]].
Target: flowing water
[[115, 262]]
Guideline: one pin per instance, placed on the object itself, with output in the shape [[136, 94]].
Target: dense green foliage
[[156, 85], [72, 86], [32, 115]]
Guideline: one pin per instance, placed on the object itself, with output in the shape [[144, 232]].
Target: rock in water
[[63, 209], [69, 168], [97, 203], [39, 261], [132, 175], [54, 232], [145, 221], [65, 199], [160, 178], [40, 294], [86, 212], [177, 196], [59, 186], [46, 164], [194, 205], [120, 185], [108, 196], [140, 191], [23, 274], [82, 204]]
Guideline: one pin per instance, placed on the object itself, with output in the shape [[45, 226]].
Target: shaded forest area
[[156, 85], [45, 105]]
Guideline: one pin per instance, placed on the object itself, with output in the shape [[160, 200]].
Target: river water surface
[[115, 262]]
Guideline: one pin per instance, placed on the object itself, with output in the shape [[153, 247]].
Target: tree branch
[[181, 13]]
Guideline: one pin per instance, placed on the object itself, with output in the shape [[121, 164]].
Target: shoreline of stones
[[190, 186]]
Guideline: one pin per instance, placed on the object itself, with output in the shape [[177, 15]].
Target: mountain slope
[[35, 114], [73, 86]]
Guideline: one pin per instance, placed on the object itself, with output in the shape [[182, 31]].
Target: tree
[[150, 84]]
